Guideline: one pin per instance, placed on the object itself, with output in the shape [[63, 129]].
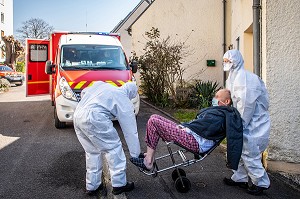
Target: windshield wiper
[[107, 68], [91, 68], [75, 68]]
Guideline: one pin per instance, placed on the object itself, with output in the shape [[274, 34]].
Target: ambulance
[[69, 62]]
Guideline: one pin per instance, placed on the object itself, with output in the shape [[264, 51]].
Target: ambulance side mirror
[[49, 68], [134, 66]]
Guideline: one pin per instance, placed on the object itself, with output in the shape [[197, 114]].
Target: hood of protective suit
[[237, 69], [236, 58], [130, 89]]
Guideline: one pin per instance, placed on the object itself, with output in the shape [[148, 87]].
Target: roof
[[122, 22], [129, 27], [89, 39]]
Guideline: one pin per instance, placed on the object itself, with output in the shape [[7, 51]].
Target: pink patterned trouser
[[159, 126]]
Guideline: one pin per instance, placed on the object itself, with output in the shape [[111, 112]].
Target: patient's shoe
[[139, 162], [256, 190], [230, 182], [128, 187], [142, 155]]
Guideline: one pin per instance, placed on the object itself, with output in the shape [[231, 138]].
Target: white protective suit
[[101, 103], [250, 97]]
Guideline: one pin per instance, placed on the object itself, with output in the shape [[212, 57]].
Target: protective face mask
[[227, 66], [215, 102]]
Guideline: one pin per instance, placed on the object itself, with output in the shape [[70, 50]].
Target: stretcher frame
[[182, 184]]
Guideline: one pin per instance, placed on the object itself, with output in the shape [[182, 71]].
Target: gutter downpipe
[[256, 37], [224, 38]]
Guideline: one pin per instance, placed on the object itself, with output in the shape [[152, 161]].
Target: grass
[[185, 115], [224, 141]]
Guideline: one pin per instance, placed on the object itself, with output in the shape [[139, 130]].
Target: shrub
[[183, 95], [4, 85], [202, 93], [160, 68], [20, 67]]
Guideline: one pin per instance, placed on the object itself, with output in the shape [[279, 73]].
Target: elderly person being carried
[[199, 135]]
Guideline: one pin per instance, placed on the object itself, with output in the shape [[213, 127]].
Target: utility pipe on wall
[[224, 37], [256, 37]]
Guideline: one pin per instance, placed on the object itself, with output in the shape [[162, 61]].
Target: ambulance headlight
[[66, 90]]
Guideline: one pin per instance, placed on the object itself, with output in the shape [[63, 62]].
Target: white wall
[[241, 19], [7, 9], [7, 26], [198, 22], [125, 37], [283, 76]]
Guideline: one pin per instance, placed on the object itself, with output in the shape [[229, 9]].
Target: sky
[[73, 15]]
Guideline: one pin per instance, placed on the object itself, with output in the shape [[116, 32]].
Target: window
[[2, 33], [38, 52], [5, 68], [93, 57], [2, 17]]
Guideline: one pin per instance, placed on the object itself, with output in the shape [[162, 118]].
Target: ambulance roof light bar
[[118, 35]]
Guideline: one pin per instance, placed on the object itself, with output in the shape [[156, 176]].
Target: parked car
[[12, 76]]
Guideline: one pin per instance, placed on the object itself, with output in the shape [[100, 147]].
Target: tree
[[13, 49], [34, 28]]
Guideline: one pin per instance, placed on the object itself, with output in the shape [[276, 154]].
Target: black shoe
[[256, 190], [230, 182], [139, 162], [142, 155], [128, 187], [94, 192]]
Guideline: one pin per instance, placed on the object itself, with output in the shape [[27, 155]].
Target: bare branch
[[34, 28]]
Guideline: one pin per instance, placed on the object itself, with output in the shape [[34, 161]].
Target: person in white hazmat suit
[[93, 124], [250, 97]]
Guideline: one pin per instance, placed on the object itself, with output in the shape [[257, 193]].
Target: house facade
[[280, 70], [198, 23], [123, 26], [6, 23], [281, 62], [210, 28]]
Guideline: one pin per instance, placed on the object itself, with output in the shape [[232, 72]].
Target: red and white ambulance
[[73, 62]]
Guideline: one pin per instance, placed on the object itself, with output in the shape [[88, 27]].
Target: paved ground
[[206, 177], [40, 161]]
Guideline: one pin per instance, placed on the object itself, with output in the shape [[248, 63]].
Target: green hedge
[[20, 67]]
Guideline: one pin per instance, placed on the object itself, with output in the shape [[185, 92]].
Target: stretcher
[[182, 183]]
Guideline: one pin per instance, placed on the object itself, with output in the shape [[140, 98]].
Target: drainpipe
[[256, 37], [224, 37]]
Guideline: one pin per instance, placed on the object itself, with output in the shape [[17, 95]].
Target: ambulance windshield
[[93, 57]]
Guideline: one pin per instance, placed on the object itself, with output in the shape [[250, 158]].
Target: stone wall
[[283, 76]]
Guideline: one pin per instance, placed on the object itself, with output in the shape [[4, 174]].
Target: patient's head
[[224, 97]]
